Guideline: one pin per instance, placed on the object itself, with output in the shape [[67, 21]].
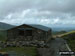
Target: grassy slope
[[29, 51], [72, 32], [70, 37], [58, 32], [2, 35]]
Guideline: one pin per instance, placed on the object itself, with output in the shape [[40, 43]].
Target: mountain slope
[[5, 26], [68, 29], [70, 38]]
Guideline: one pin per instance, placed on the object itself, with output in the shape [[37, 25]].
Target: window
[[28, 32], [21, 32]]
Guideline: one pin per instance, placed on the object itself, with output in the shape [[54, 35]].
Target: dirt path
[[54, 47]]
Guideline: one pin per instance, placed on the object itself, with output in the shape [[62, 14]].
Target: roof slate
[[40, 27], [35, 26]]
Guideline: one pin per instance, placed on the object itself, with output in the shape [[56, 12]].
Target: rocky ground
[[55, 46]]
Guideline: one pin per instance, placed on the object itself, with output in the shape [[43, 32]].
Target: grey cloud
[[38, 9]]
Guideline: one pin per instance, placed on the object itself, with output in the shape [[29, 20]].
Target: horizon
[[56, 26]]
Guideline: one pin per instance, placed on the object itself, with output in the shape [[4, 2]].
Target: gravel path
[[54, 47]]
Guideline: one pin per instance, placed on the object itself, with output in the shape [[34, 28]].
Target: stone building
[[30, 32]]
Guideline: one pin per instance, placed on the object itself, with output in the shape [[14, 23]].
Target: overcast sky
[[45, 12]]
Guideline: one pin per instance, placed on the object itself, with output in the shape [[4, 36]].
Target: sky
[[44, 12]]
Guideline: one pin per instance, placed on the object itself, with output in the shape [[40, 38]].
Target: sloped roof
[[35, 26], [40, 27]]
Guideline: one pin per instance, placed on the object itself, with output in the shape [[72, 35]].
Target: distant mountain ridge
[[68, 29], [4, 26]]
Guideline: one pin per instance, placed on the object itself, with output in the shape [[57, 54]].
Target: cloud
[[31, 16], [47, 12]]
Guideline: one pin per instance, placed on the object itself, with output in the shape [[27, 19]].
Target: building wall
[[37, 34], [49, 35]]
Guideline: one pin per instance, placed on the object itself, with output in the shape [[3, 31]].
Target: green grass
[[70, 38], [58, 32], [29, 51], [71, 43], [3, 35], [65, 34]]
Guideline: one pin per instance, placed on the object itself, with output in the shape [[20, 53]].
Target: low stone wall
[[22, 44]]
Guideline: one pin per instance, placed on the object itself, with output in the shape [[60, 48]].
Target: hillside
[[70, 37], [65, 28], [3, 35], [58, 32], [4, 26]]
